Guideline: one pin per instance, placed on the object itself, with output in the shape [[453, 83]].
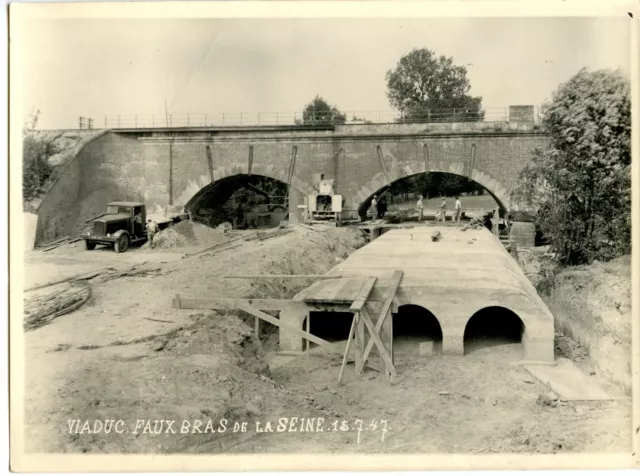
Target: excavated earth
[[126, 355]]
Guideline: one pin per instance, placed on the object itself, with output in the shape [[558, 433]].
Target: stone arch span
[[381, 181], [226, 182]]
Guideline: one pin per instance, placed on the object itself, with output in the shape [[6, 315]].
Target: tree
[[319, 111], [426, 88], [580, 184], [36, 150]]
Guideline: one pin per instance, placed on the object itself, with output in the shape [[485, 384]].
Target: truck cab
[[121, 224]]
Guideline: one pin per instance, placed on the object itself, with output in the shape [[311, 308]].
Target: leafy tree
[[580, 184], [36, 151], [319, 111], [423, 85]]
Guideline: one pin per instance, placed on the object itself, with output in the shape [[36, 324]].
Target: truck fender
[[119, 233]]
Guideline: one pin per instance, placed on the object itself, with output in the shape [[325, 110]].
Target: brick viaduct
[[191, 166]]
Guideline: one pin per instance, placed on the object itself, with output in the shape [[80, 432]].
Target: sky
[[92, 68]]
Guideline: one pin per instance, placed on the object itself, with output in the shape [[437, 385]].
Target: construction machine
[[324, 205]]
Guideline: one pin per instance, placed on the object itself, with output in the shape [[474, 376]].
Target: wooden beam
[[250, 165], [386, 306], [280, 276], [220, 245], [346, 350], [231, 303], [382, 164], [376, 339], [276, 322], [363, 294], [210, 163]]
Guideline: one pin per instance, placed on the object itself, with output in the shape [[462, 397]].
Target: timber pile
[[77, 277], [135, 270], [41, 309]]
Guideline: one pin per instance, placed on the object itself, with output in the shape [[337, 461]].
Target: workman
[[152, 229], [374, 207], [443, 209], [458, 215]]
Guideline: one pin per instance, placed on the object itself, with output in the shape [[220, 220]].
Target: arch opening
[[493, 327], [412, 325], [245, 201], [401, 197], [329, 325]]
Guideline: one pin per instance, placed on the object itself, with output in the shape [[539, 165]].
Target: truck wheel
[[89, 245], [122, 244]]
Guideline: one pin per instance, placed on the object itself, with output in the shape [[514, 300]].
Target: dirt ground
[[127, 356]]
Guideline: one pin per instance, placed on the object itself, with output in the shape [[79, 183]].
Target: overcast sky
[[91, 68]]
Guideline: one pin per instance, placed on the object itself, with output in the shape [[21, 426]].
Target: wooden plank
[[312, 290], [349, 292], [346, 350], [229, 303], [280, 276], [376, 339], [307, 343], [327, 291], [386, 306], [219, 245], [359, 338], [276, 322], [257, 328], [363, 294]]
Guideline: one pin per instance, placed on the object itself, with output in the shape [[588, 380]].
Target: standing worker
[[382, 207], [374, 207], [458, 215], [443, 209], [152, 229], [495, 222], [420, 208]]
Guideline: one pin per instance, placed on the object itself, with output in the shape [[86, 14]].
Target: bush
[[581, 183], [36, 170]]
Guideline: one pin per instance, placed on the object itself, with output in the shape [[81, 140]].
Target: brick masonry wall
[[158, 169]]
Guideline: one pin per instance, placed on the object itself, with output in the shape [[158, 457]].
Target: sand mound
[[188, 233]]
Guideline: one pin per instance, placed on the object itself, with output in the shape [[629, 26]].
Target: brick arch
[[198, 187], [494, 187]]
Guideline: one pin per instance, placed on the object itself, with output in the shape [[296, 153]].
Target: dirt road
[[127, 355]]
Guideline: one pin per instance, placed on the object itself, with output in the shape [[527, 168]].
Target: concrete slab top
[[450, 262]]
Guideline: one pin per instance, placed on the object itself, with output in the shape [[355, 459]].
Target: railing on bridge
[[126, 121]]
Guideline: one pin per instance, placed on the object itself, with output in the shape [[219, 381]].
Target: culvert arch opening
[[492, 327], [413, 325], [331, 326]]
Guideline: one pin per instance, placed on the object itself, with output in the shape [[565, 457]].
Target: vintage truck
[[124, 223]]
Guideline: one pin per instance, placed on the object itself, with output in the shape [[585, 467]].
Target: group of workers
[[379, 208], [442, 210]]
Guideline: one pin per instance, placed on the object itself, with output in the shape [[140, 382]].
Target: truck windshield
[[113, 209]]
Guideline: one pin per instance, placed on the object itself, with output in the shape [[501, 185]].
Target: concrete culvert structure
[[454, 278], [493, 326], [413, 324]]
